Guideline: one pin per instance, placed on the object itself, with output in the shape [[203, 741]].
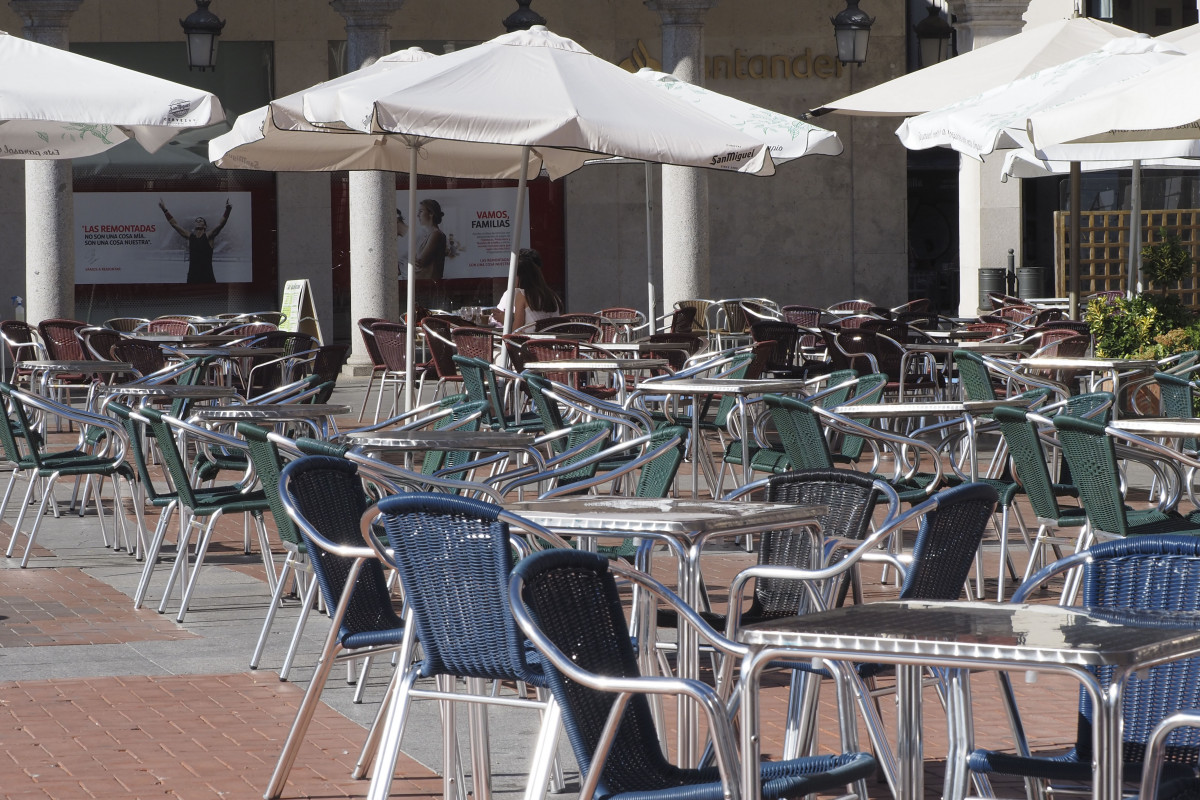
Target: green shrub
[[1132, 328], [1166, 262]]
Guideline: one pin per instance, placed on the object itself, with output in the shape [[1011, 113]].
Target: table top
[[187, 338], [76, 366], [271, 412], [919, 409], [1062, 362], [1159, 426], [669, 515], [499, 441], [597, 364], [172, 391], [232, 352], [981, 632], [974, 347], [719, 385], [638, 347]]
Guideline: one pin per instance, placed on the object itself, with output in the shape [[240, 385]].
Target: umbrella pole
[[653, 315], [519, 223], [1135, 231], [410, 340], [1073, 278]]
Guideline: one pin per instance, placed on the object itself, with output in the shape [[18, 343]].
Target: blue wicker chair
[[1125, 577], [568, 604], [324, 497], [453, 556]]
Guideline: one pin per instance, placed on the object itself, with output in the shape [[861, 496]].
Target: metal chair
[[392, 338], [125, 324], [1124, 578], [98, 341], [439, 340], [378, 368], [202, 504], [21, 343], [568, 605], [951, 527], [324, 497], [440, 545], [1186, 788], [45, 465], [147, 358]]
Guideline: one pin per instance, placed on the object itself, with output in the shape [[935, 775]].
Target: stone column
[[989, 212], [49, 197], [374, 291], [684, 189]]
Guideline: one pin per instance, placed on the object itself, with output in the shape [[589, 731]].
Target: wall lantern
[[934, 35], [852, 29], [202, 29], [523, 18]]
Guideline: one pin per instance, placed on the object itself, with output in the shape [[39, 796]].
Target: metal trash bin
[[1029, 282], [991, 279]]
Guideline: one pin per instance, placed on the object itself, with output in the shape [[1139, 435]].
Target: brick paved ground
[[99, 700]]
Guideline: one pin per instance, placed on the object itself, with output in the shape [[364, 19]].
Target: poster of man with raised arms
[[164, 237]]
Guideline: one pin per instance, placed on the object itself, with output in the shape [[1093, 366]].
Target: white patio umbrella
[[516, 105], [56, 104], [966, 75], [788, 138], [997, 119]]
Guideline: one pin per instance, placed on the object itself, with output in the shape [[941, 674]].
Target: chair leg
[[12, 543], [367, 396], [306, 609], [180, 565], [272, 607], [36, 522], [544, 761], [481, 769], [151, 554], [201, 552]]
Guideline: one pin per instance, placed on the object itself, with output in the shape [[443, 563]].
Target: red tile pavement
[[192, 736], [67, 606]]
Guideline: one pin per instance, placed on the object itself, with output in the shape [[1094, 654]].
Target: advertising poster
[[126, 237], [460, 233]]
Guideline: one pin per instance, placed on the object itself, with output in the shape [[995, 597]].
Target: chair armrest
[[1156, 747]]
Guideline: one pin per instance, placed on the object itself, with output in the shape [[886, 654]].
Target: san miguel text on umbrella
[[732, 157]]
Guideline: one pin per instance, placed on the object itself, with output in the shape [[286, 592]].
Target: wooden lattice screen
[[1104, 249]]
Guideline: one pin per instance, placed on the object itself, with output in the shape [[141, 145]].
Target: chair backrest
[[146, 357], [453, 557], [441, 346], [364, 330], [683, 320], [477, 343], [1175, 400], [800, 432], [700, 312], [888, 353], [856, 306], [546, 407], [435, 460], [728, 315], [922, 305], [246, 329], [617, 322], [268, 464], [98, 341], [17, 332], [324, 496], [125, 324], [850, 498], [1128, 576], [1029, 460], [58, 335], [974, 376], [948, 541], [1092, 457], [391, 339], [173, 462], [786, 336], [658, 474], [552, 350], [328, 360], [582, 331], [133, 430], [868, 389], [573, 600], [676, 356], [171, 326], [805, 316], [480, 385]]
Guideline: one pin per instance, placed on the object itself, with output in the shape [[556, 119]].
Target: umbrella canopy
[[966, 75], [56, 104], [542, 100], [1157, 112], [996, 119], [789, 138], [1025, 164], [511, 107]]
